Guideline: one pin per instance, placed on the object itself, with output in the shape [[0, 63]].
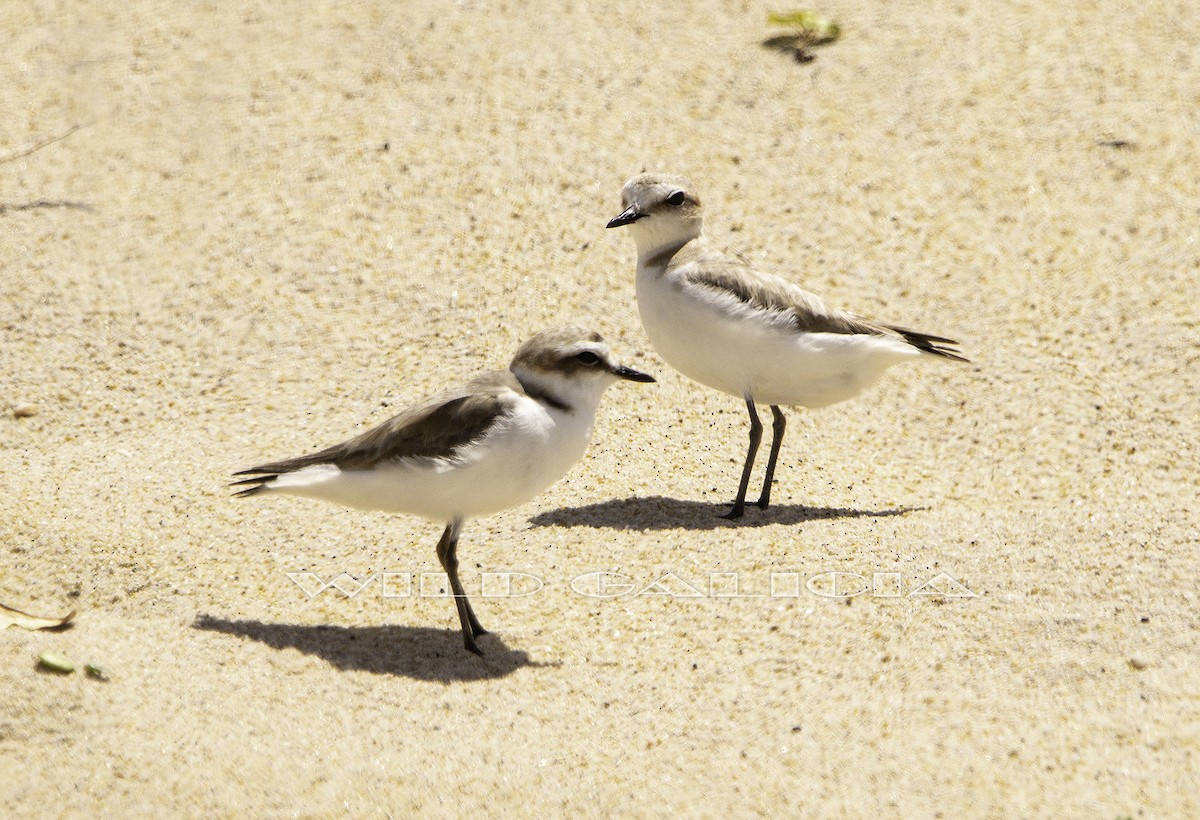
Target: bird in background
[[491, 444], [750, 334]]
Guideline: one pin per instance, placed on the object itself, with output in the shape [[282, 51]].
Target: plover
[[751, 334], [492, 444]]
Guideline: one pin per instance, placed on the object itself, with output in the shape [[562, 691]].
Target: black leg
[[447, 553], [777, 430], [739, 504]]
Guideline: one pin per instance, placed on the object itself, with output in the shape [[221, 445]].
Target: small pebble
[[1138, 661], [97, 672], [24, 410]]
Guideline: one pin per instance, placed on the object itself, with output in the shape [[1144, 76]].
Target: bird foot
[[470, 645]]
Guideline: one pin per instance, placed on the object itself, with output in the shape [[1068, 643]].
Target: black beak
[[627, 217], [629, 373]]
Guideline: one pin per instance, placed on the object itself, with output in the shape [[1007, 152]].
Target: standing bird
[[751, 334], [491, 444]]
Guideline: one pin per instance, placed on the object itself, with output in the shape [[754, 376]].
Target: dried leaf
[[14, 617]]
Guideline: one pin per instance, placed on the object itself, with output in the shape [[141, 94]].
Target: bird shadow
[[415, 652], [658, 512]]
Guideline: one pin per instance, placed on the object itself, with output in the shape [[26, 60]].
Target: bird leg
[[777, 430], [447, 553], [739, 504]]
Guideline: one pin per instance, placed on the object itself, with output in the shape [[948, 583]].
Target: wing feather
[[808, 313], [436, 428]]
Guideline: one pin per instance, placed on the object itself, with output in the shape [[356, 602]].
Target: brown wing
[[808, 312], [436, 428]]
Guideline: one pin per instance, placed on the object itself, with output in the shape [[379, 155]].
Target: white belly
[[741, 351]]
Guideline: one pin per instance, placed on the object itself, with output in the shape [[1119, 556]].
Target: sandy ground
[[292, 222]]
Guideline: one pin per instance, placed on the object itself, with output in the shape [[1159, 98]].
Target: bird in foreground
[[751, 334], [491, 444]]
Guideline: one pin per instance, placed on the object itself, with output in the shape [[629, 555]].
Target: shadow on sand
[[657, 512], [415, 652]]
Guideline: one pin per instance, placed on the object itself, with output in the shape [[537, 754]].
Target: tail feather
[[928, 343], [264, 474], [291, 465], [252, 486]]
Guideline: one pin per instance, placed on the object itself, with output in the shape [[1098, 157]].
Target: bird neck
[[660, 257], [559, 393], [657, 248]]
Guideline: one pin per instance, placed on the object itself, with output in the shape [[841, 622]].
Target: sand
[[277, 224]]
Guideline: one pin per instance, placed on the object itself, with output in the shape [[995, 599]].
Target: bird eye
[[676, 199], [587, 357]]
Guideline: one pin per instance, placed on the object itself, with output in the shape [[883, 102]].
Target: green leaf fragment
[[56, 663], [807, 23]]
